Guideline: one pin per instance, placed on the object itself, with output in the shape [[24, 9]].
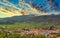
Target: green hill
[[31, 21]]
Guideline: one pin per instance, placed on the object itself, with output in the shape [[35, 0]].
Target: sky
[[14, 1], [39, 3]]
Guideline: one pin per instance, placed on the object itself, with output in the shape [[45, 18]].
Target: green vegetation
[[28, 25], [31, 22], [14, 23], [17, 25], [15, 35], [23, 25]]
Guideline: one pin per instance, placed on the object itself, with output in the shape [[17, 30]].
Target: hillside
[[32, 21], [32, 18]]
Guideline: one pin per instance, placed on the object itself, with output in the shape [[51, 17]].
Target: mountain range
[[51, 19]]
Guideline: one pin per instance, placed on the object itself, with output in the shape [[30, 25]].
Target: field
[[24, 33], [14, 30], [30, 27]]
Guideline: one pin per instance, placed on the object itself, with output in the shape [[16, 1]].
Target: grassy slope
[[31, 22]]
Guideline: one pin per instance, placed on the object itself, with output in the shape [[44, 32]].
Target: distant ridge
[[28, 18]]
